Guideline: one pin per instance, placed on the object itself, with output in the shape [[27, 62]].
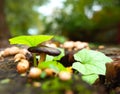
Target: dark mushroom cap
[[45, 49]]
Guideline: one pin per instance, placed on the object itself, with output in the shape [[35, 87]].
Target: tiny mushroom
[[64, 75], [34, 72], [43, 50], [22, 66], [11, 51], [19, 57], [49, 71]]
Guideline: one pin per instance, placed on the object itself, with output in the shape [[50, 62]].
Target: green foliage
[[90, 63], [71, 20], [30, 40], [90, 78], [79, 20], [59, 38], [43, 75], [51, 62], [21, 15], [56, 86], [59, 56], [56, 66]]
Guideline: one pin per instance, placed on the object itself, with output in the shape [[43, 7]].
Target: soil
[[11, 82]]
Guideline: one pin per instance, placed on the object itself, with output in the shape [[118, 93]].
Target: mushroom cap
[[45, 49]]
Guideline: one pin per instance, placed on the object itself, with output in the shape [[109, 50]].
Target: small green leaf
[[61, 54], [49, 58], [90, 62], [30, 40], [90, 78], [43, 75], [56, 66]]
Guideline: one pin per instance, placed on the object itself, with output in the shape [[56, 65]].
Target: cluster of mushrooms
[[24, 65], [74, 45]]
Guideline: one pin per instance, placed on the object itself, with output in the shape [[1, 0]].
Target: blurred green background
[[83, 20]]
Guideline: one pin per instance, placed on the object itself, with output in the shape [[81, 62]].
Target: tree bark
[[118, 35], [4, 31]]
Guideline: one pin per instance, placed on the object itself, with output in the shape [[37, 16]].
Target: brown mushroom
[[18, 57], [22, 66], [43, 50]]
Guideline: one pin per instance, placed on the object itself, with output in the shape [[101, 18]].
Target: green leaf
[[90, 62], [87, 69], [49, 58], [30, 40], [56, 66], [90, 78], [61, 54], [43, 75]]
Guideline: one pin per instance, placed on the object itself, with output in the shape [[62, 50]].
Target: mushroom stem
[[42, 57], [35, 61]]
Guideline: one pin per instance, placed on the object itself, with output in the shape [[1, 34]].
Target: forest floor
[[11, 82]]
